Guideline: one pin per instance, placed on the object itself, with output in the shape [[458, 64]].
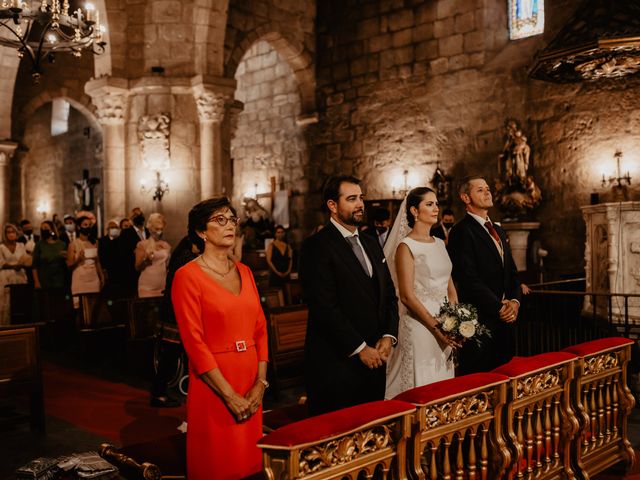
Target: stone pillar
[[211, 100], [109, 95], [518, 240], [7, 149]]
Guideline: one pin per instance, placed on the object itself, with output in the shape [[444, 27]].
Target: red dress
[[214, 325]]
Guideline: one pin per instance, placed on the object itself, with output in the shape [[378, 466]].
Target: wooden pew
[[355, 442], [539, 422], [20, 369], [287, 333], [272, 298], [457, 428], [603, 403]]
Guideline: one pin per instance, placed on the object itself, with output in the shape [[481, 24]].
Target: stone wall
[[407, 85], [53, 163], [267, 141]]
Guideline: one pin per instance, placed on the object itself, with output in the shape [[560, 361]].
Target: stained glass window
[[526, 18]]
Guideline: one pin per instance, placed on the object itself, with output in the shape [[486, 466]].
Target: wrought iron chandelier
[[40, 29]]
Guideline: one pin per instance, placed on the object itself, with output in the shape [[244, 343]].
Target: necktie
[[357, 250], [493, 232]]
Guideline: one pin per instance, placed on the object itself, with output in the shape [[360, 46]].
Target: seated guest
[[169, 352], [223, 330], [83, 261], [13, 258], [279, 258], [152, 258]]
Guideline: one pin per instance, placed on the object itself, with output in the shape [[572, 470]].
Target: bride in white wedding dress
[[421, 269]]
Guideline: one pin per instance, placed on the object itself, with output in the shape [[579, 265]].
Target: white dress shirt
[[347, 233]]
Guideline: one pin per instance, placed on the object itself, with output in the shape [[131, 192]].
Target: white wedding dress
[[418, 358]]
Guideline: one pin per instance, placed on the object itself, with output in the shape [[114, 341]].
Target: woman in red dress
[[223, 330]]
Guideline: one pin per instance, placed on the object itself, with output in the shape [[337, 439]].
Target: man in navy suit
[[353, 308], [486, 277]]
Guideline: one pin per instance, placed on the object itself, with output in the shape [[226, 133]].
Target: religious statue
[[257, 225], [515, 189], [441, 183]]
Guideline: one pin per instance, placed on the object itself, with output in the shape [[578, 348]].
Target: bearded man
[[353, 308]]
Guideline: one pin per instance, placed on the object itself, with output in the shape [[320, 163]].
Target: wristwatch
[[264, 382]]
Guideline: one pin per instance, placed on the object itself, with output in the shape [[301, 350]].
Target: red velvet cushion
[[448, 388], [328, 425], [595, 346], [522, 365]]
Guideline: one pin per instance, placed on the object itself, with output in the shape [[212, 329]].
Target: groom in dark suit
[[486, 277], [353, 308]]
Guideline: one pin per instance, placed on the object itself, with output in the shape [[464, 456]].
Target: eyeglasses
[[222, 220]]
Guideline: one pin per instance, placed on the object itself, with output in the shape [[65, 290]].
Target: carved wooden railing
[[457, 432], [364, 440], [129, 467], [539, 422], [603, 403]]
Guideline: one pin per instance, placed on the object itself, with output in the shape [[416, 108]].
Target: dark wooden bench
[[287, 333]]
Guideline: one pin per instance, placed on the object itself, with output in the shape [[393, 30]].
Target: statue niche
[[515, 190]]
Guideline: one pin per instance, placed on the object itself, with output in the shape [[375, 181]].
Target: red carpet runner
[[115, 411]]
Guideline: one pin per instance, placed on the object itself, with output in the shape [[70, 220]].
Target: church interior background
[[265, 99]]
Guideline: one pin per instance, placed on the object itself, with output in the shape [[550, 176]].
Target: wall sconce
[[401, 186], [159, 190], [619, 180], [42, 208]]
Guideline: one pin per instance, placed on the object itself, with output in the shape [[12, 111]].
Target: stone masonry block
[[380, 42], [166, 11], [402, 38], [439, 66], [426, 13], [465, 23], [368, 28], [423, 32], [443, 28], [474, 41], [426, 50], [359, 66], [450, 46], [400, 20], [458, 62]]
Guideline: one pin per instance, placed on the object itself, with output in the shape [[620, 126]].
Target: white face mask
[[157, 234], [70, 227], [114, 232]]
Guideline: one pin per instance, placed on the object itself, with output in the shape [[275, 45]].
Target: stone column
[[7, 149], [211, 99], [518, 240], [109, 95]]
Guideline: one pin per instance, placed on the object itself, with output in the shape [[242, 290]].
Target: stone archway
[[48, 165], [268, 141]]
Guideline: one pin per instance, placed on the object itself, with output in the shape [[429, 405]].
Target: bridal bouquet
[[461, 322]]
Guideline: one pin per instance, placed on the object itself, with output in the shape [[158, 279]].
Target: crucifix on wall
[[83, 191]]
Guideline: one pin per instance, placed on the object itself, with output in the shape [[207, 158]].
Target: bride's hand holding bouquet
[[460, 322]]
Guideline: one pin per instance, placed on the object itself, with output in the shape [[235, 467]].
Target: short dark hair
[[200, 214], [414, 197], [381, 214], [448, 211], [465, 184], [331, 190], [279, 227], [24, 222]]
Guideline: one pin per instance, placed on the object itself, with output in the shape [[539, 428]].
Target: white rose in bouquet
[[467, 329], [449, 323], [464, 311]]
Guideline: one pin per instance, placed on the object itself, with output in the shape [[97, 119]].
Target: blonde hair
[[155, 218]]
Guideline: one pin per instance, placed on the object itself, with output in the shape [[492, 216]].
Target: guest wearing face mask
[[152, 258], [442, 229], [13, 258], [84, 262], [381, 223], [69, 233], [127, 244], [108, 252]]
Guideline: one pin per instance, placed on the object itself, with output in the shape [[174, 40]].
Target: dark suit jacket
[[438, 231], [346, 308], [127, 243], [483, 280]]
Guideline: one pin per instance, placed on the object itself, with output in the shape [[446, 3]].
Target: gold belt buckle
[[241, 346]]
